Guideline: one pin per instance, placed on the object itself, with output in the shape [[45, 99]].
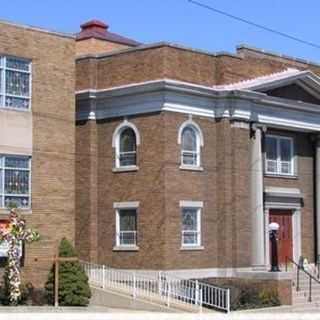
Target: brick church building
[[159, 156]]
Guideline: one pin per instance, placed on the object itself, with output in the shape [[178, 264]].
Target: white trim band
[[191, 204], [126, 205]]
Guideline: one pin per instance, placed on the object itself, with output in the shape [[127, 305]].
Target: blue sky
[[181, 22]]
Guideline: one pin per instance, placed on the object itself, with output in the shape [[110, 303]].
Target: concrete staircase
[[301, 298]]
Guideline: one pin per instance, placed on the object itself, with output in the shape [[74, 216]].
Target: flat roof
[[32, 28], [157, 45], [277, 54]]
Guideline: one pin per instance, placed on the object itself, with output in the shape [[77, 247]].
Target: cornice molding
[[182, 97]]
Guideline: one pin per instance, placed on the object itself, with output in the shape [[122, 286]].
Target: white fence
[[159, 287]]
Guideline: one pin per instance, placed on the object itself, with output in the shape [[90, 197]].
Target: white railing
[[159, 287], [127, 238]]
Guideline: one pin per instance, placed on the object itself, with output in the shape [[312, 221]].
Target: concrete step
[[306, 304], [304, 293], [314, 289], [303, 284]]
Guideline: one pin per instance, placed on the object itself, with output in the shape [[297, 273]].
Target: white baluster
[[134, 293]]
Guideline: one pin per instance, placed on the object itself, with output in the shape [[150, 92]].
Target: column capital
[[258, 126]]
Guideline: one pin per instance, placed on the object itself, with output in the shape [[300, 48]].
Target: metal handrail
[[311, 277], [162, 285]]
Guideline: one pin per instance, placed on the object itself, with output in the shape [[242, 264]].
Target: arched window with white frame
[[191, 140], [127, 155], [125, 140]]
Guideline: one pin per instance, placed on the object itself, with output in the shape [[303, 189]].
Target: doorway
[[285, 239]]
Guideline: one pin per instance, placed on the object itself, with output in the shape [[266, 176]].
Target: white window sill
[[190, 168], [5, 211], [125, 248], [191, 248], [281, 176], [126, 169], [15, 109]]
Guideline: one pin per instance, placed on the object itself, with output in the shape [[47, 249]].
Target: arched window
[[125, 140], [190, 148], [190, 138], [127, 148]]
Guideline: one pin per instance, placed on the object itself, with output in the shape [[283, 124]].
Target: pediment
[[296, 92], [290, 84]]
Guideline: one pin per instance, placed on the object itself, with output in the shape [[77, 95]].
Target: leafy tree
[[74, 289]]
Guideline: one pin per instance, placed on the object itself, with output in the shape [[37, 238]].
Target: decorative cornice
[[176, 96]]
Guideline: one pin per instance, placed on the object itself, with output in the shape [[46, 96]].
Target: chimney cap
[[94, 24], [99, 30]]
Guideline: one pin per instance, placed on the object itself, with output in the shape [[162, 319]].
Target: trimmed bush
[[74, 289]]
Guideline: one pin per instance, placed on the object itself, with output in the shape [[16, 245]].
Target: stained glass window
[[190, 147], [190, 226], [127, 152], [15, 82], [15, 181]]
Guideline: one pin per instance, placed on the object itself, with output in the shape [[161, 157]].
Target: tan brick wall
[[265, 58], [180, 64], [97, 46], [146, 65], [53, 139]]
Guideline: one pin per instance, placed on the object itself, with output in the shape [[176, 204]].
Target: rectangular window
[[279, 155], [191, 226], [15, 181], [15, 82], [126, 227]]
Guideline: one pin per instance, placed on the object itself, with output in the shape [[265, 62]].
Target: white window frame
[[3, 94], [3, 168], [134, 205], [199, 141], [197, 205], [278, 161], [116, 144]]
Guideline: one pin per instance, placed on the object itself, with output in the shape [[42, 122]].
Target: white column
[[318, 192], [256, 192]]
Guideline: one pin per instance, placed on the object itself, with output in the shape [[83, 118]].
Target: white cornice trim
[[176, 96]]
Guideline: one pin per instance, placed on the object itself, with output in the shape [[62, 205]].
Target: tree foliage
[[74, 289]]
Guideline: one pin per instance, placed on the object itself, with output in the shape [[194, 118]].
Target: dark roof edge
[[277, 54], [157, 45], [29, 27], [108, 40]]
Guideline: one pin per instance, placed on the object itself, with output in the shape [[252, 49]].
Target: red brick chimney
[[95, 37]]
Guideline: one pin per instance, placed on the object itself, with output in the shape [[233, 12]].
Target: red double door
[[285, 242]]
